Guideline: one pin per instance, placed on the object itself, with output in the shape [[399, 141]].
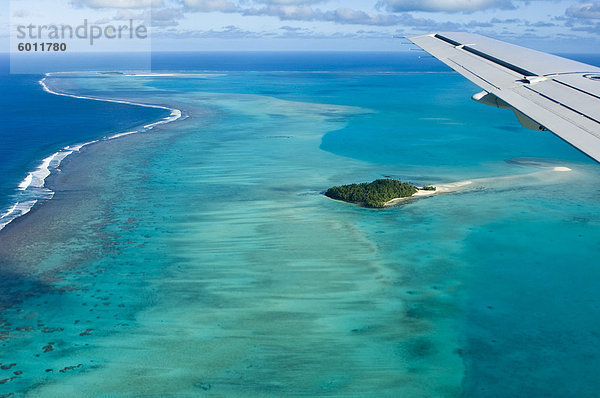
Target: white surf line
[[36, 179], [17, 210], [175, 113]]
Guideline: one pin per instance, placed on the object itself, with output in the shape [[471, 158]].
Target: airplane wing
[[545, 91]]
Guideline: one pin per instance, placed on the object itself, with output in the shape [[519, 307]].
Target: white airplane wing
[[545, 91]]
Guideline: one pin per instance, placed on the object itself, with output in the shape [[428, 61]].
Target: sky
[[329, 25]]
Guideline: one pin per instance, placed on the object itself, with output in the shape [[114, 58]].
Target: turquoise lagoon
[[201, 259]]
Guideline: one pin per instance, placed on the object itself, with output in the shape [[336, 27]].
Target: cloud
[[284, 32], [349, 16], [542, 24], [308, 34], [291, 28], [286, 13], [443, 5], [290, 2], [21, 13], [505, 21], [117, 3], [126, 15], [210, 5], [426, 24], [227, 32], [584, 10], [307, 13], [166, 17], [479, 24], [594, 29], [160, 17]]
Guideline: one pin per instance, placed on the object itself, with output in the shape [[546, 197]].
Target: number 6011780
[[56, 47]]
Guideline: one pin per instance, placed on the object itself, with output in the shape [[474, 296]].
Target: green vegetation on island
[[374, 194], [429, 188]]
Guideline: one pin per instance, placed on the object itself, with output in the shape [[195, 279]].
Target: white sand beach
[[456, 186], [442, 188]]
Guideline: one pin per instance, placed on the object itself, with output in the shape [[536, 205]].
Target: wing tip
[[419, 36]]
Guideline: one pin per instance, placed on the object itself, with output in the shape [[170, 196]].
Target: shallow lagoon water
[[202, 258]]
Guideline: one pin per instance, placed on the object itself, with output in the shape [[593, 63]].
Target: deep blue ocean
[[201, 258]]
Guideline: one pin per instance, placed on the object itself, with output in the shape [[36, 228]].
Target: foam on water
[[17, 210], [29, 190]]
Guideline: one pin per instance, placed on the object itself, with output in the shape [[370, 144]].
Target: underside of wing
[[545, 91]]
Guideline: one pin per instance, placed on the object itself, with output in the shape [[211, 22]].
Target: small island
[[377, 194]]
